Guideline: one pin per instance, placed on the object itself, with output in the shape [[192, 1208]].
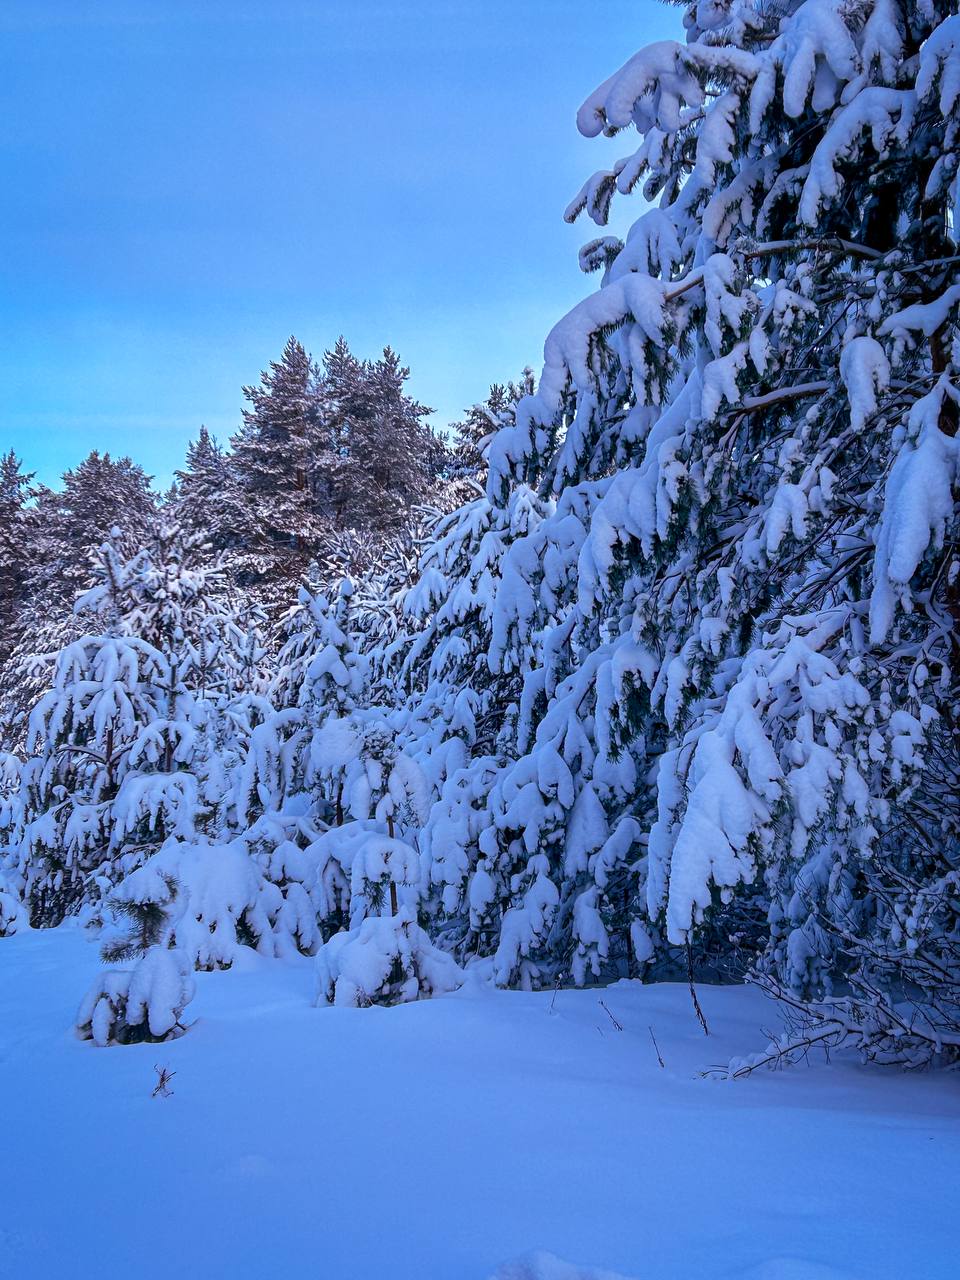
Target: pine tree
[[147, 919], [473, 434], [280, 468], [385, 455], [725, 637], [145, 1003], [750, 405], [99, 495], [318, 668], [369, 871], [17, 536], [14, 541]]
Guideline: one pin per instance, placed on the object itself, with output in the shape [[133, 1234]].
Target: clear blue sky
[[186, 183]]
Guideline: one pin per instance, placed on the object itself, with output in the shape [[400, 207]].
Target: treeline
[[323, 476]]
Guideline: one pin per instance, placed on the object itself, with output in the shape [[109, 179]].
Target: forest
[[646, 671], [647, 668]]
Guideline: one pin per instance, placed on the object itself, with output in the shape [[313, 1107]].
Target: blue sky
[[185, 184]]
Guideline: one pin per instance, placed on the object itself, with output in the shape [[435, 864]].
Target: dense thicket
[[662, 675]]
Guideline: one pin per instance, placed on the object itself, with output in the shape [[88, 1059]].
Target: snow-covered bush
[[147, 1002], [281, 846], [382, 869], [13, 915], [372, 880], [386, 960], [222, 901], [376, 778], [358, 870]]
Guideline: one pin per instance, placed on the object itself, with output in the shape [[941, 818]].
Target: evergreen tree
[[14, 542], [17, 538], [385, 454], [673, 689], [145, 1003], [99, 495], [759, 408], [280, 467], [473, 434], [121, 742], [204, 501], [65, 528]]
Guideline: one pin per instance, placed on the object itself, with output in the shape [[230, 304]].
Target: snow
[[886, 115], [221, 893], [814, 52], [918, 503], [648, 89], [546, 1266], [865, 372], [940, 58], [469, 1136], [923, 317], [13, 915]]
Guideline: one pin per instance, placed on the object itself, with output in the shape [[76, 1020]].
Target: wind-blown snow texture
[[444, 1139]]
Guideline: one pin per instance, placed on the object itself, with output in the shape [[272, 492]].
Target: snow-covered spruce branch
[[694, 278], [799, 391]]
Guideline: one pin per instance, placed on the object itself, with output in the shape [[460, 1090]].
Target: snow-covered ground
[[446, 1139]]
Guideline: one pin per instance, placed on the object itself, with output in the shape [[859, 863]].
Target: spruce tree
[[204, 501]]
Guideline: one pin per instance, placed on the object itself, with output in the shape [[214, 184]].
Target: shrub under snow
[[127, 1006], [223, 901], [13, 915], [387, 960]]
